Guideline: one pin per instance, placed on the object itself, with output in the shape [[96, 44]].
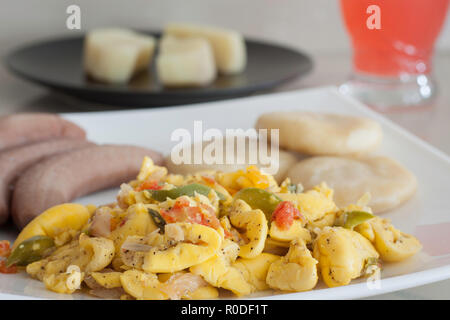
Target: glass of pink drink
[[393, 42]]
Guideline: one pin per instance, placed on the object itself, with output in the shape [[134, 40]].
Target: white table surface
[[430, 123]]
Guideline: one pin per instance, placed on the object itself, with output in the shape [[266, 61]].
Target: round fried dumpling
[[388, 182], [322, 134], [240, 159]]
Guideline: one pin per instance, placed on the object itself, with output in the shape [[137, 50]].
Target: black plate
[[57, 64]]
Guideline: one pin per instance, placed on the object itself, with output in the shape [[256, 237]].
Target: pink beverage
[[392, 58], [404, 44]]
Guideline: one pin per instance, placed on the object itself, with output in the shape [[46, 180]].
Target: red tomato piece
[[5, 269], [183, 212], [284, 215], [5, 248], [168, 216], [149, 185]]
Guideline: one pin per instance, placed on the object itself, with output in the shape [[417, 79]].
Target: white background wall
[[314, 25]]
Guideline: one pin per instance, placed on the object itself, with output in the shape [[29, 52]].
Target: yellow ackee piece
[[296, 271], [138, 223], [149, 170], [255, 270], [65, 282], [64, 269], [255, 224], [218, 271], [295, 231], [200, 243], [203, 293], [342, 255], [366, 230], [279, 248], [142, 285], [101, 251], [53, 221], [149, 286], [107, 280], [393, 244]]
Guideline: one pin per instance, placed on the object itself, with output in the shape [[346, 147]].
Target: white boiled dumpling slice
[[116, 55], [185, 62], [228, 45]]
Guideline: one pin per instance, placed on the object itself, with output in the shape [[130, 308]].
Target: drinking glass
[[393, 43]]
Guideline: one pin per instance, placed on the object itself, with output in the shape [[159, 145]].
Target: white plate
[[427, 214]]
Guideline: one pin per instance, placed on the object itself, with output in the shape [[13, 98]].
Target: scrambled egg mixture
[[192, 237]]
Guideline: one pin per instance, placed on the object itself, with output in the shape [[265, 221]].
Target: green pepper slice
[[30, 250], [187, 190], [354, 218], [259, 199]]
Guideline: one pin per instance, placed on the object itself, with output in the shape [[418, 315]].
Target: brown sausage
[[14, 161], [21, 128], [73, 174]]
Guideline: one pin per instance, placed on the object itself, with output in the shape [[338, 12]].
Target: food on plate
[[16, 160], [31, 250], [258, 198], [240, 159], [253, 222], [189, 55], [317, 133], [392, 244], [228, 45], [170, 236], [296, 271], [255, 270], [220, 271], [388, 182], [73, 174], [185, 62], [22, 128], [180, 285], [342, 255], [57, 222], [116, 55]]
